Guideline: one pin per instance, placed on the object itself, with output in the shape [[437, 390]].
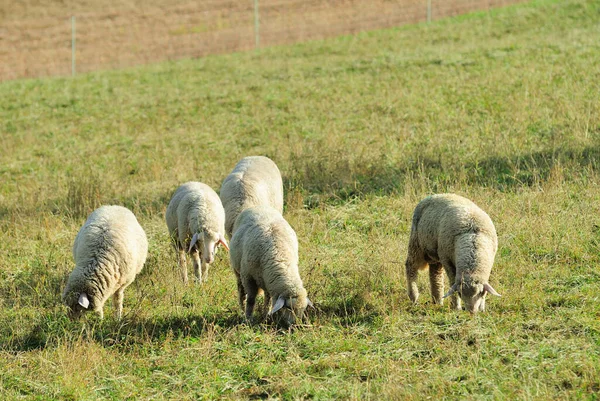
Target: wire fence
[[110, 40]]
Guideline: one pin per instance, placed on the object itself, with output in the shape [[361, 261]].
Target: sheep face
[[473, 294], [473, 297], [286, 311], [78, 303], [208, 242], [287, 315], [209, 246]]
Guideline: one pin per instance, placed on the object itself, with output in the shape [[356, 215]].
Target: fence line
[[114, 39], [256, 24], [428, 11], [73, 36]]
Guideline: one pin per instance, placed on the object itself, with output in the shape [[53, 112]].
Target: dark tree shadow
[[336, 179], [507, 173]]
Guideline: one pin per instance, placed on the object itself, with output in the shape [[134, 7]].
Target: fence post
[[73, 45], [428, 11], [256, 34]]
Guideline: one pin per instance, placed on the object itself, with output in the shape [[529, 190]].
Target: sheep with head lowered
[[196, 223], [109, 251], [452, 233], [254, 181], [264, 255]]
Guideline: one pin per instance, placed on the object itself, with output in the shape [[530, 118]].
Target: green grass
[[499, 107]]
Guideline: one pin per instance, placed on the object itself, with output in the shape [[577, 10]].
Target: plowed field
[[35, 36]]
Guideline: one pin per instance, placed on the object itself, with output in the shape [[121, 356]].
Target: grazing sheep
[[109, 251], [451, 231], [196, 222], [264, 255], [254, 181]]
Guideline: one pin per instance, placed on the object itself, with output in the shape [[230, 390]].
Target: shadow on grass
[[351, 311], [40, 286], [332, 179], [55, 329], [85, 194], [506, 173]]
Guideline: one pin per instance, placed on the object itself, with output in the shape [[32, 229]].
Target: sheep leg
[[252, 291], [204, 271], [118, 302], [482, 305], [414, 263], [183, 266], [196, 260], [436, 280], [241, 292], [455, 302], [267, 303]]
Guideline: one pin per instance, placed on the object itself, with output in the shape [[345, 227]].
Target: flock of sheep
[[448, 233]]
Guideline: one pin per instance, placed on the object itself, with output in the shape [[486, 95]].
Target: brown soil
[[35, 35]]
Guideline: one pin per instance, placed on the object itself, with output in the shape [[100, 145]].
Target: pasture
[[500, 107]]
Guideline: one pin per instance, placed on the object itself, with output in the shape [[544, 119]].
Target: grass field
[[499, 107]]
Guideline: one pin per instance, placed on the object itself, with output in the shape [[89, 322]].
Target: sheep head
[[472, 294], [78, 303], [289, 309], [208, 240]]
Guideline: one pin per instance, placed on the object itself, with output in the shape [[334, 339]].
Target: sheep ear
[[310, 303], [193, 242], [487, 287], [451, 291], [223, 242], [84, 300], [278, 305]]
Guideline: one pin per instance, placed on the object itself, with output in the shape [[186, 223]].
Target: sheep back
[[194, 207], [255, 180]]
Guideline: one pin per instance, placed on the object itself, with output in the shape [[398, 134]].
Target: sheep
[[264, 255], [196, 222], [254, 181], [109, 251], [451, 231]]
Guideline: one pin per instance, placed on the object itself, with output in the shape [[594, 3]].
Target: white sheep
[[264, 255], [254, 181], [196, 222], [451, 231], [109, 251]]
